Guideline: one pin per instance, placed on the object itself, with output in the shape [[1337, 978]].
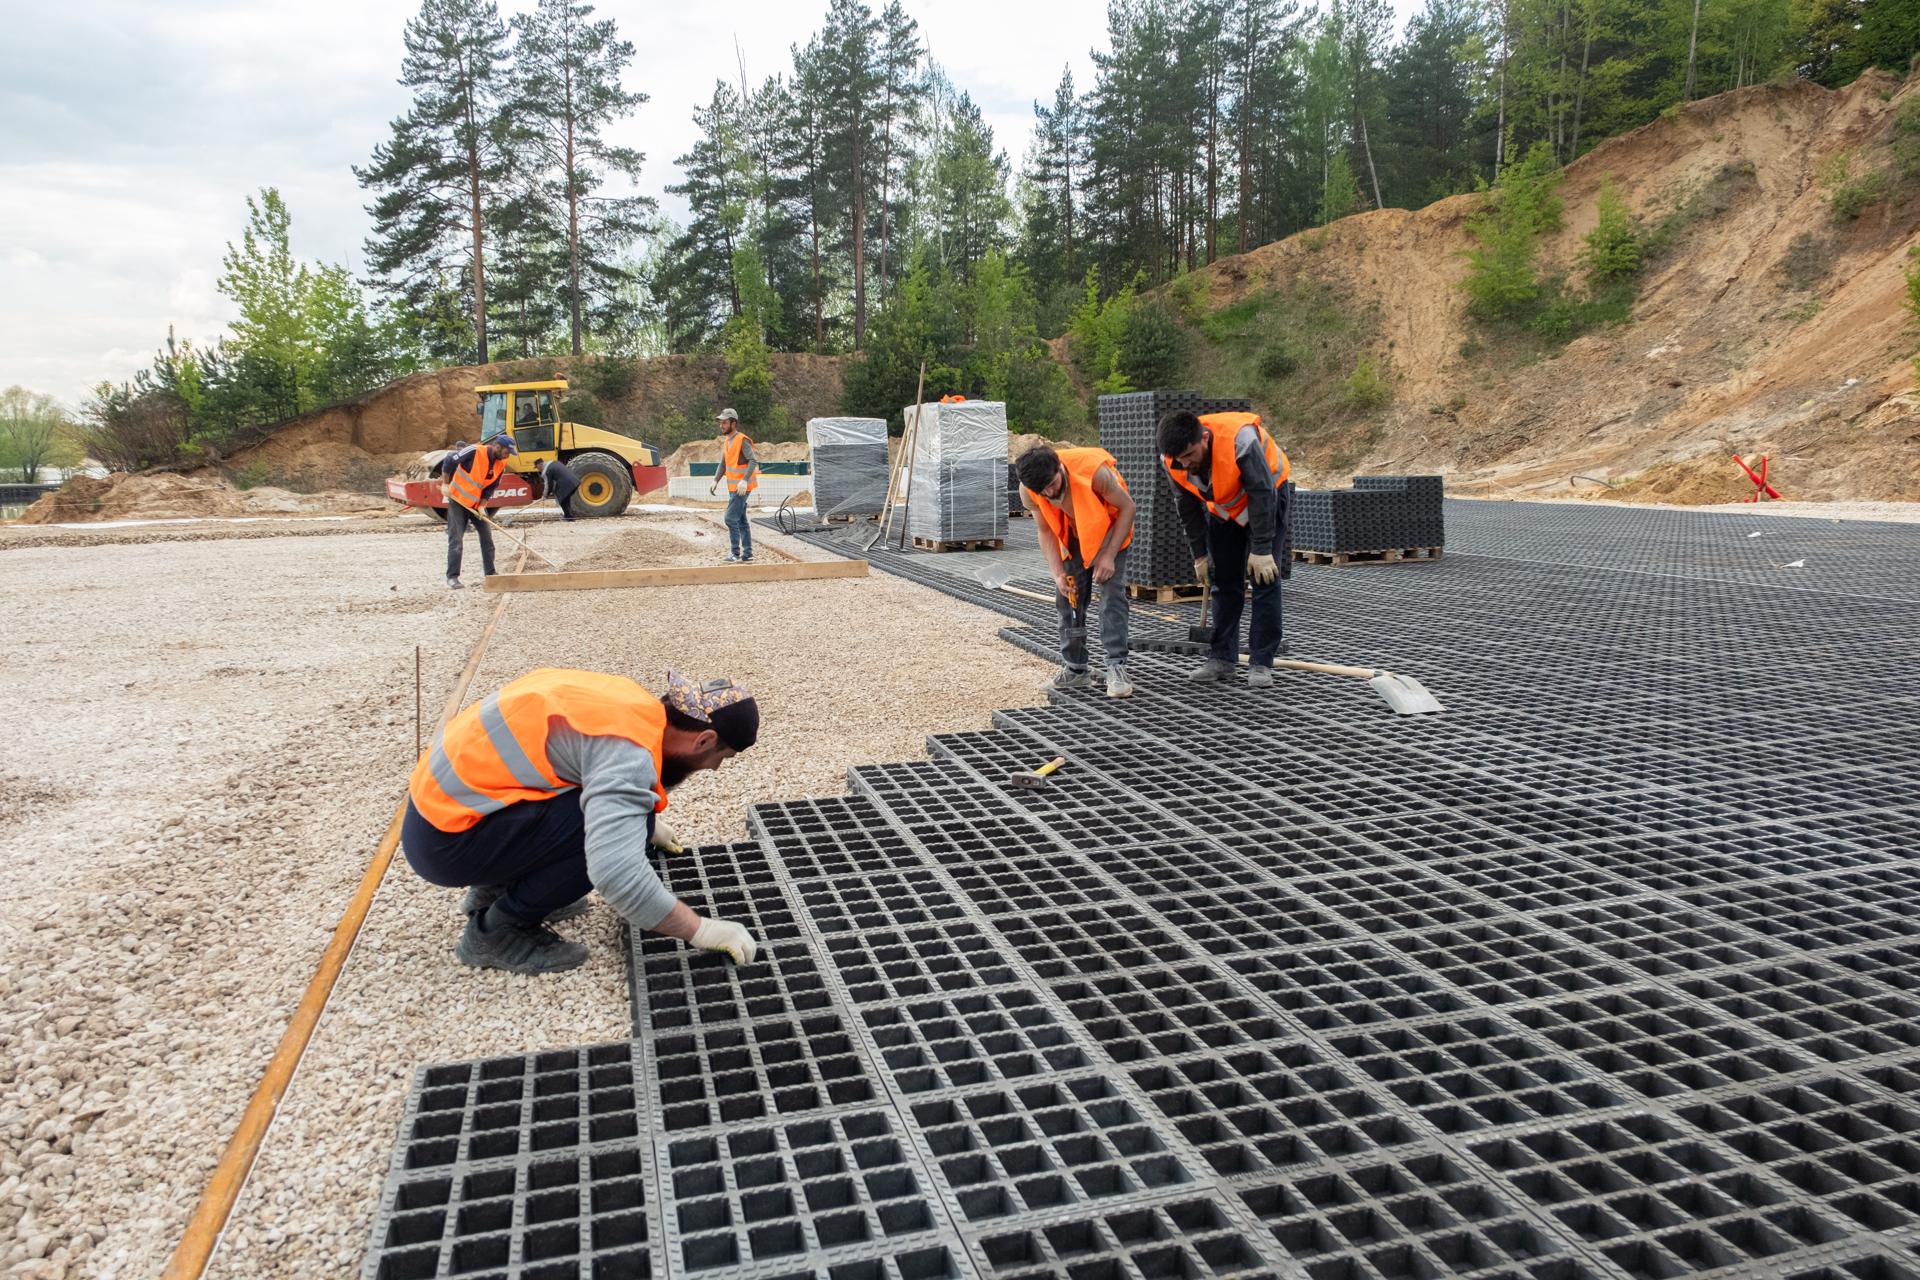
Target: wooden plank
[[705, 575]]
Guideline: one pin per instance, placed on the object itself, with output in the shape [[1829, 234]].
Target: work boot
[[1118, 686], [517, 948], [1068, 678], [453, 582], [1212, 671], [482, 896], [1259, 677]]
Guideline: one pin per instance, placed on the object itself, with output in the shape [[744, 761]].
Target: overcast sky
[[132, 131]]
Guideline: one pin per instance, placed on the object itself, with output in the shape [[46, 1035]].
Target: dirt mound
[[1730, 347], [637, 549], [164, 496]]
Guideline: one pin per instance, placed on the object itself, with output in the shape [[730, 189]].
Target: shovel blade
[[994, 576], [1404, 694]]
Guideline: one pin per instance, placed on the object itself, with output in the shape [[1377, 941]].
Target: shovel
[[995, 577], [1403, 693]]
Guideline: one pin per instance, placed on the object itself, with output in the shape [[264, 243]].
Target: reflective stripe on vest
[[471, 481], [736, 469], [1092, 517], [1228, 501], [495, 754]]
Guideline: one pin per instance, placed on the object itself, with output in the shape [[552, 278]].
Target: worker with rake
[[552, 787], [471, 473], [1229, 481], [1078, 501]]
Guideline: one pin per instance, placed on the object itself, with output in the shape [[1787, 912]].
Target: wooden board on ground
[[1392, 555], [704, 575], [963, 544], [1165, 595]]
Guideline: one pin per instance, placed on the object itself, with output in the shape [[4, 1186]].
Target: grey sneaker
[[453, 582], [1068, 678], [1212, 671], [1259, 677], [1118, 686], [730, 558], [482, 896], [517, 948]]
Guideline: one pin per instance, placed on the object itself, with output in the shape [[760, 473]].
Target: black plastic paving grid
[[1449, 1000]]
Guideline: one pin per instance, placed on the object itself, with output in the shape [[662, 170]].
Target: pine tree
[[439, 175], [568, 68], [696, 286], [1048, 195], [1429, 149], [854, 77]]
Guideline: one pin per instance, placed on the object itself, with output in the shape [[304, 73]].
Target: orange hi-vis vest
[[736, 469], [1229, 501], [494, 754], [471, 481], [1092, 517]]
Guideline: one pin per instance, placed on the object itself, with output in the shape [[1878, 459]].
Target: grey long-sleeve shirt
[[1263, 501], [616, 780]]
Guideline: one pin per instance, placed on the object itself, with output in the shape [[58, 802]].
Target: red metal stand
[[1761, 489]]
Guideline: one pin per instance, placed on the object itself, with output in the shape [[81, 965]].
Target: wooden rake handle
[[1329, 669]]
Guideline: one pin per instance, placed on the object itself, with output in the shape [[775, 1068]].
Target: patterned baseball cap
[[727, 706]]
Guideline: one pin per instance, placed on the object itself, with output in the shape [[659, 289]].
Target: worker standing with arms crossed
[[471, 473], [553, 787], [1229, 478], [1078, 498], [742, 472]]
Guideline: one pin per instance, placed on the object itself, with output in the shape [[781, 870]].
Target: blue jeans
[[739, 532], [1113, 614], [1227, 546]]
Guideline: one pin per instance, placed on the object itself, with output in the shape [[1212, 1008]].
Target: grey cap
[[727, 415]]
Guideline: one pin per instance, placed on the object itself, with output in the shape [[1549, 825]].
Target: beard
[[674, 771]]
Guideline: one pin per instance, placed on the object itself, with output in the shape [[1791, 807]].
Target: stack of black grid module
[[1160, 555], [1014, 507], [1379, 513]]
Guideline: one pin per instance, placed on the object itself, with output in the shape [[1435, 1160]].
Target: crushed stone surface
[[216, 739]]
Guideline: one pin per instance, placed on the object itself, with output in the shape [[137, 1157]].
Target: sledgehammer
[[1037, 779]]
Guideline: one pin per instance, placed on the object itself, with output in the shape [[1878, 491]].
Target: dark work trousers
[[1227, 545], [562, 484], [536, 849], [739, 532], [1113, 611], [458, 518]]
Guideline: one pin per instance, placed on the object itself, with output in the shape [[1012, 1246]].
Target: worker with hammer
[[471, 473], [1079, 501], [1229, 481], [553, 787]]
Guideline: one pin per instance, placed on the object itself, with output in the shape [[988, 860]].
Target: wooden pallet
[[1391, 555], [969, 544], [1165, 595], [844, 519]]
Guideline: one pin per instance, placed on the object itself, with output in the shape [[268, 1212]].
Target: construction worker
[[471, 473], [553, 787], [561, 484], [1079, 500], [742, 472], [1228, 477]]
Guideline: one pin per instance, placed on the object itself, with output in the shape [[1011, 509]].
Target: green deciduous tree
[[35, 432]]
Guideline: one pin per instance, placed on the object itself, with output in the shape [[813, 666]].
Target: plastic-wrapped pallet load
[[849, 458], [958, 489]]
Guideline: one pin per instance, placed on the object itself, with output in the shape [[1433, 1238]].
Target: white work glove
[[663, 838], [724, 935], [1203, 571], [1262, 569]]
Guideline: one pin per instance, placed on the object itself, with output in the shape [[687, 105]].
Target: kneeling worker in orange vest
[[1229, 479], [552, 787], [1078, 501]]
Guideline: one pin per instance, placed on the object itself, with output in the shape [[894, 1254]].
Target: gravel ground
[[217, 739]]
